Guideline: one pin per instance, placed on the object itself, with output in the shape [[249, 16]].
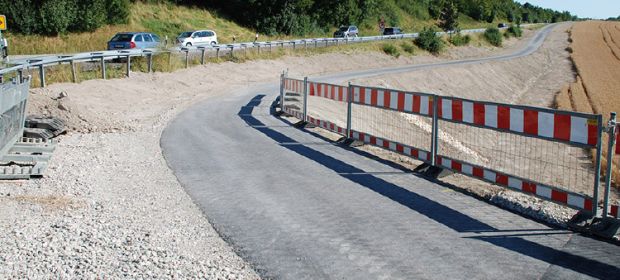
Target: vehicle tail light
[[132, 45]]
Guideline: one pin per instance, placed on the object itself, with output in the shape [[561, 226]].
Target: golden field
[[595, 51]]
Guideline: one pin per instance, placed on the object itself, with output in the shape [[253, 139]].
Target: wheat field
[[595, 51]]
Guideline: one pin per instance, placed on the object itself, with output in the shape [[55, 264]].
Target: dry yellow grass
[[596, 54]]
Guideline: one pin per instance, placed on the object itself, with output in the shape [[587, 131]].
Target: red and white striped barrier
[[329, 91], [408, 102], [618, 139], [419, 154], [293, 85], [577, 201], [294, 112], [327, 125], [530, 121]]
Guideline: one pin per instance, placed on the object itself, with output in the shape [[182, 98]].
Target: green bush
[[460, 40], [390, 49], [493, 36], [408, 47], [429, 41], [514, 31]]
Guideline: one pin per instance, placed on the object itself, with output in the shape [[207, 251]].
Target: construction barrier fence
[[541, 152], [13, 99]]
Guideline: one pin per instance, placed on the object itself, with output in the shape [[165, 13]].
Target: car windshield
[[389, 29], [185, 34], [343, 28], [122, 38]]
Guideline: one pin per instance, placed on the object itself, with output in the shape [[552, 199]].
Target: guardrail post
[[294, 45], [282, 92], [73, 73], [305, 99], [258, 49], [42, 75], [316, 43], [217, 53], [186, 58], [202, 56], [349, 108], [128, 65], [232, 50], [103, 75], [269, 47], [20, 75], [435, 129], [610, 157], [597, 168], [149, 58]]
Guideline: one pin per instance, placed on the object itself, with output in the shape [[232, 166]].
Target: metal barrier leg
[[282, 92], [435, 129], [597, 168], [42, 75], [128, 66], [103, 68], [305, 100], [610, 156], [73, 73], [349, 109]]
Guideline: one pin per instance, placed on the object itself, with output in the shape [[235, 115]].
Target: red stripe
[[439, 109], [312, 89], [342, 94], [373, 140], [592, 134], [362, 95], [479, 114], [561, 127], [457, 166], [478, 172], [415, 153], [373, 97], [386, 144], [400, 148], [401, 101], [319, 90], [428, 156], [614, 211], [387, 96], [618, 139], [530, 119], [501, 179], [430, 106], [457, 110], [528, 187], [587, 204], [559, 196], [416, 104], [503, 117], [438, 160]]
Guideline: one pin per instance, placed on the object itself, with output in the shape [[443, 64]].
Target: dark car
[[502, 25], [392, 31], [346, 32], [133, 40]]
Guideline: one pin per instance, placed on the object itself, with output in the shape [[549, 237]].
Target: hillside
[[167, 19]]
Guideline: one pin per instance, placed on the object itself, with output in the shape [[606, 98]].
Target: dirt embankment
[[595, 52]]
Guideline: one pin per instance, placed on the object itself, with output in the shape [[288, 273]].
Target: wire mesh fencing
[[13, 98], [327, 106], [293, 97]]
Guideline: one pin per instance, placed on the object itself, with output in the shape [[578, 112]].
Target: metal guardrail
[[40, 63], [533, 150], [13, 99]]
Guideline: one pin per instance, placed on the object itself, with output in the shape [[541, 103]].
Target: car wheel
[[5, 53], [213, 43], [188, 44], [356, 35]]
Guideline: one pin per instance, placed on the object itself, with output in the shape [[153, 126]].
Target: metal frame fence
[[570, 130], [13, 99]]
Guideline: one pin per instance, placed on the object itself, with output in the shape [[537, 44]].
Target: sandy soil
[[109, 205]]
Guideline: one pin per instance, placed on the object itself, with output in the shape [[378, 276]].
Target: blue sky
[[583, 8]]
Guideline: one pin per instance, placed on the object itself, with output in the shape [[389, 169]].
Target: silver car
[[346, 32], [134, 40]]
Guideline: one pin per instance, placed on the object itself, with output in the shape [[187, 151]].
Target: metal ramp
[[27, 158]]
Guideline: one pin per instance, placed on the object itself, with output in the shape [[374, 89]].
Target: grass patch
[[408, 48], [390, 49], [493, 36], [429, 41], [460, 40]]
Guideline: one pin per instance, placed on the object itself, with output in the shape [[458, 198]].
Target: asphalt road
[[299, 207]]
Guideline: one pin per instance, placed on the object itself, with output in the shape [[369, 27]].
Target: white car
[[197, 38]]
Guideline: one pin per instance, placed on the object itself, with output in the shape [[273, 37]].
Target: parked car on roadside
[[502, 25], [346, 32], [197, 38], [134, 40], [4, 47], [392, 31]]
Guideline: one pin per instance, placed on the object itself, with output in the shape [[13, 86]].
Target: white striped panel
[[545, 124], [578, 130], [356, 94], [380, 99], [356, 135], [422, 155], [543, 191], [446, 162], [408, 102], [467, 169], [407, 150], [394, 100], [367, 96], [367, 138], [516, 120], [392, 146], [515, 183], [468, 112], [490, 115], [446, 109], [489, 175], [424, 105], [379, 142], [576, 201]]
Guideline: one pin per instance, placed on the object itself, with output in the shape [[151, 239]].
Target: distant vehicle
[[4, 47], [346, 32], [196, 38], [134, 40], [392, 31], [502, 25]]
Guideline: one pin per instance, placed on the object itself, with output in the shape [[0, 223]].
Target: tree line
[[291, 17]]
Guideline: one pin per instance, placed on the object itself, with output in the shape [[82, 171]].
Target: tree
[[448, 20]]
